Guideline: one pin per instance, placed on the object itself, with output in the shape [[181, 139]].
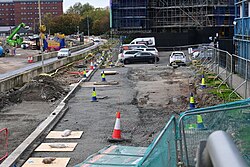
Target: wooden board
[[110, 72], [38, 162], [91, 84], [211, 77], [58, 135], [46, 147]]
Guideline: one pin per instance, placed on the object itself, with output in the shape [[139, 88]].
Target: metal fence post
[[231, 78], [218, 61], [246, 79]]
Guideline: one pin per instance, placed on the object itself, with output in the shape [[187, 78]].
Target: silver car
[[64, 52]]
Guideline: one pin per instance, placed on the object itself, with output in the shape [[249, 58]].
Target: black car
[[142, 57]]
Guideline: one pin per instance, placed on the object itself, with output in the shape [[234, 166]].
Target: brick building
[[14, 12]]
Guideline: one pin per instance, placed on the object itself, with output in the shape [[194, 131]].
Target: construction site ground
[[14, 62], [147, 95]]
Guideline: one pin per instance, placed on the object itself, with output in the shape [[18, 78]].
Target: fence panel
[[3, 144], [198, 124], [162, 151]]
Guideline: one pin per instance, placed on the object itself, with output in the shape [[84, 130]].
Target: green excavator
[[18, 40], [10, 42]]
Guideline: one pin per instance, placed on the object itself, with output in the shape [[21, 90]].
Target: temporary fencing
[[232, 69], [3, 143], [163, 150], [232, 118]]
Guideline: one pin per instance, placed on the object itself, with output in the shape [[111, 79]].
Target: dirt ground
[[147, 95]]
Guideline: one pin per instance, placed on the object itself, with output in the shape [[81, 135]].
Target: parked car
[[142, 57], [64, 52], [126, 54], [132, 47], [178, 57], [149, 49], [96, 40], [205, 54]]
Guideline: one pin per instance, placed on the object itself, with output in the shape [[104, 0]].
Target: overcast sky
[[95, 3]]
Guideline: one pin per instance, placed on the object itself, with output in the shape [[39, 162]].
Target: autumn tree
[[80, 16]]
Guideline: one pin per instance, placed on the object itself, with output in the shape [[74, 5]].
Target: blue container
[[1, 51]]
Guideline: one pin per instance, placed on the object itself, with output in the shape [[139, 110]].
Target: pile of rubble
[[41, 88]]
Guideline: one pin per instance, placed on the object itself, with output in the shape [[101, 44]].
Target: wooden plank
[[46, 147], [58, 135], [110, 72], [38, 162], [211, 77], [92, 84]]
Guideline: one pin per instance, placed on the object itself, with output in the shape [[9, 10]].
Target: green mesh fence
[[233, 118], [162, 151]]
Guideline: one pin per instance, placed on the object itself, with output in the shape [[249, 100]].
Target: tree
[[76, 16], [80, 9]]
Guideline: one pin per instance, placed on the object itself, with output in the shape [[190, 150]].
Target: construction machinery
[[18, 40]]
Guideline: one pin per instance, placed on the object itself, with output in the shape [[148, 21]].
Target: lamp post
[[40, 26], [88, 24]]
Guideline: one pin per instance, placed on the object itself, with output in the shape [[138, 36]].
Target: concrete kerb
[[46, 125]]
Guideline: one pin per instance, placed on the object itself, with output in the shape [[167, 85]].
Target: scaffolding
[[130, 15], [164, 15]]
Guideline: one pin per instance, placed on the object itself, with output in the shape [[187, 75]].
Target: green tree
[[80, 9], [76, 16]]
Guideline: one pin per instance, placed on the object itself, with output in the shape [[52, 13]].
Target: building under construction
[[194, 21]]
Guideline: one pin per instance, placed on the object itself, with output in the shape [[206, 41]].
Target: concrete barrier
[[37, 58], [19, 79]]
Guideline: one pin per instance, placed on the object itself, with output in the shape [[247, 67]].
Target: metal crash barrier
[[219, 151]]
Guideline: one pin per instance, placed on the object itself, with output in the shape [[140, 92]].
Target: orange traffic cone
[[91, 65], [116, 136]]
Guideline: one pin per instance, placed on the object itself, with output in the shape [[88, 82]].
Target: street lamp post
[[40, 26], [88, 24]]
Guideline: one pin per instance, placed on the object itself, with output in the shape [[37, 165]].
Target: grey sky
[[95, 3]]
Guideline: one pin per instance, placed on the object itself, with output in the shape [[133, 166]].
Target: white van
[[131, 47], [149, 41]]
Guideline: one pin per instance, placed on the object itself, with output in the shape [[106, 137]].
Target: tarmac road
[[22, 67], [146, 96]]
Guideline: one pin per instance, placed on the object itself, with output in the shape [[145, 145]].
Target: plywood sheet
[[46, 147], [110, 72], [58, 135], [91, 84], [37, 162]]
